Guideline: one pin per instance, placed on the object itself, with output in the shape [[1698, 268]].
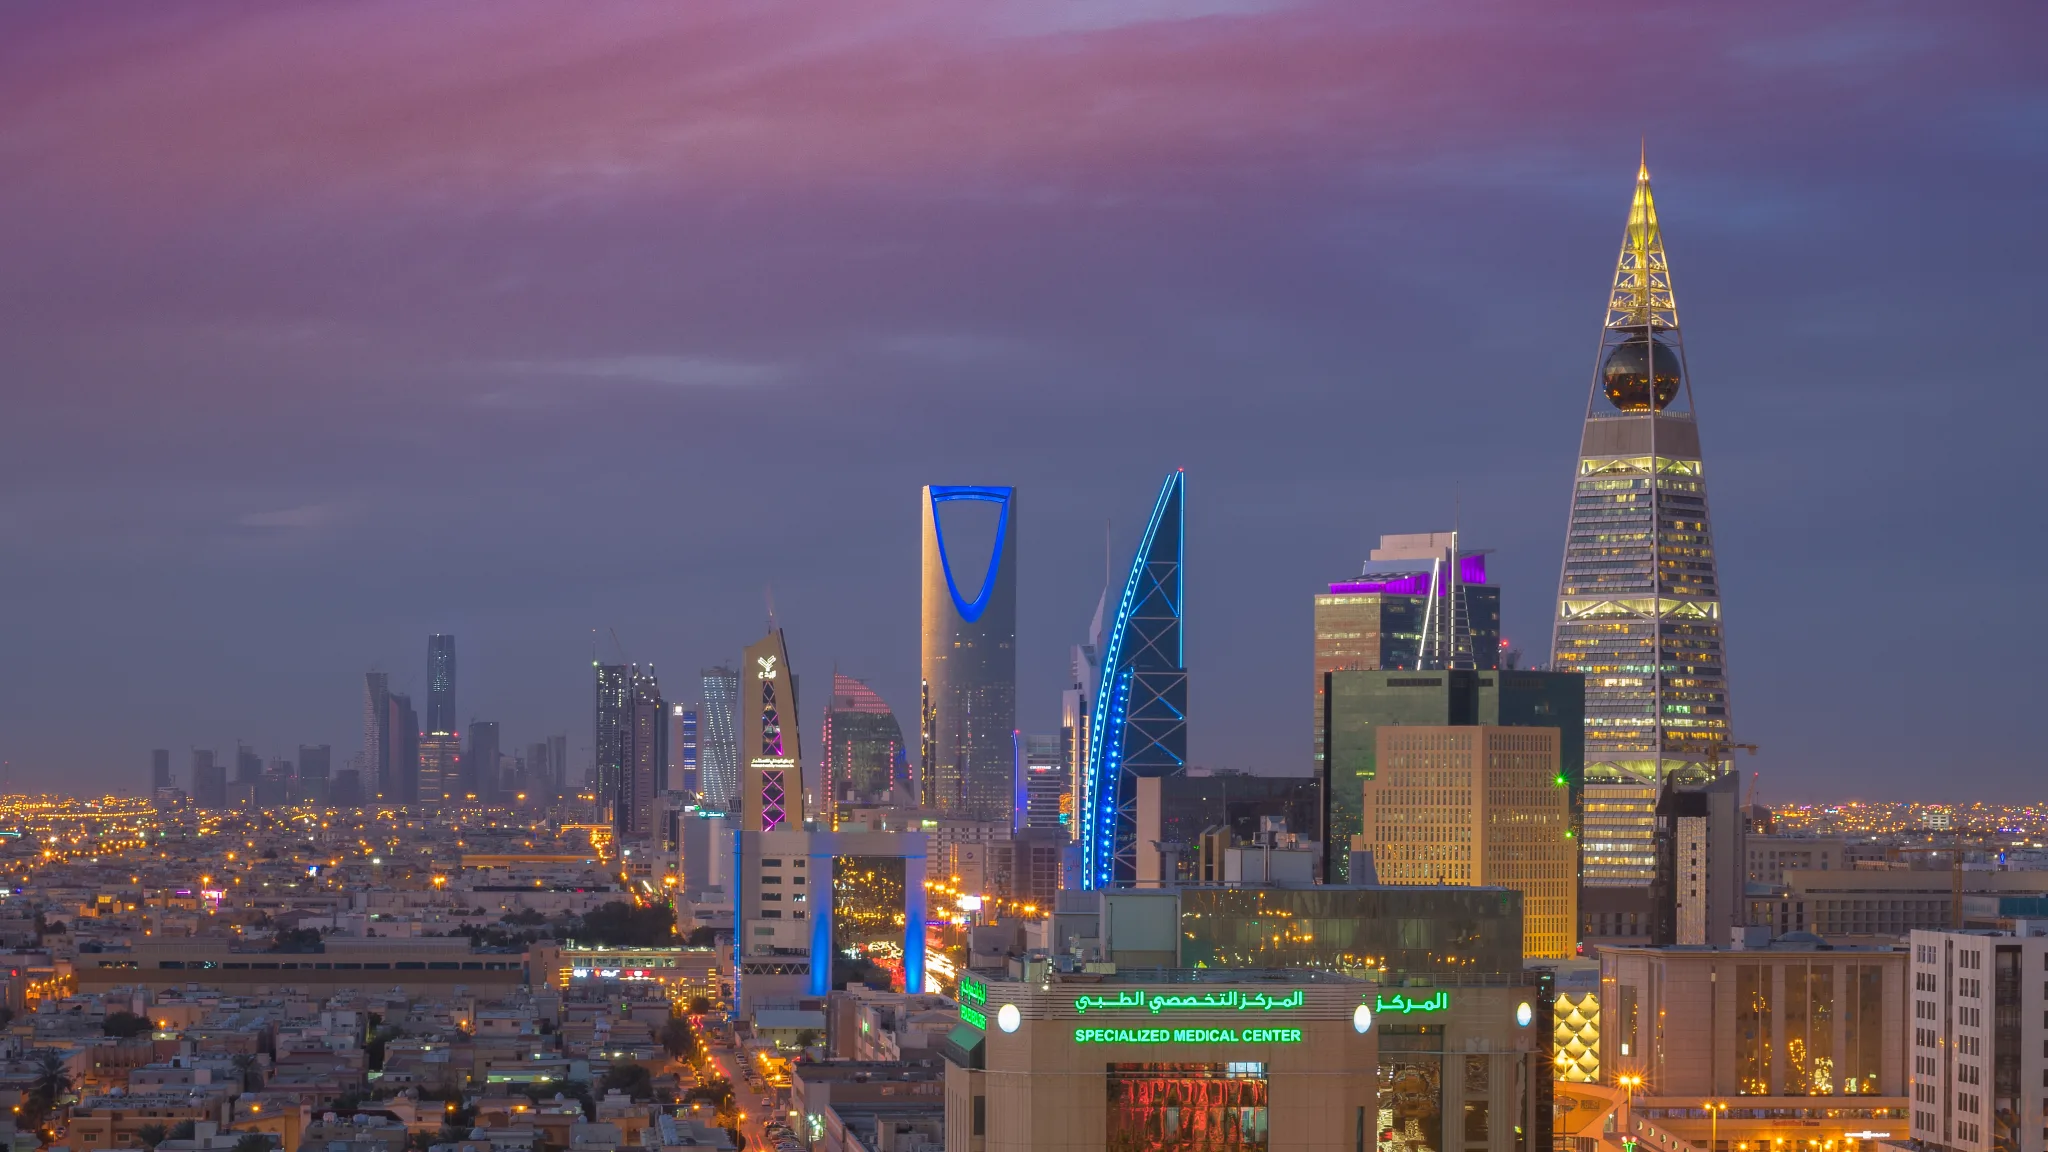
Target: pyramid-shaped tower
[[1639, 599]]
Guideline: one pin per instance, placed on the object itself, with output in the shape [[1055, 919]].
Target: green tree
[[124, 1024]]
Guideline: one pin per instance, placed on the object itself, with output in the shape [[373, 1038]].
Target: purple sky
[[326, 326]]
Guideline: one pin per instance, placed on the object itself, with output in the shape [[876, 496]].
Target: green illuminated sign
[[1407, 1004], [1187, 1035], [973, 991], [1228, 1000], [974, 1016]]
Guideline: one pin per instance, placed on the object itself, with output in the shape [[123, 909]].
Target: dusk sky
[[327, 326]]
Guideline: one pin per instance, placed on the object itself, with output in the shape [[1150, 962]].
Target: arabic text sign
[[1227, 1000], [1187, 1035], [1407, 1004]]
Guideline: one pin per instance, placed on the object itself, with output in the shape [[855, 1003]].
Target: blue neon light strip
[[943, 493]]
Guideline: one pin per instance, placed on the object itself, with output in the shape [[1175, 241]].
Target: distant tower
[[1141, 702], [772, 789], [862, 744], [441, 683], [1639, 598], [968, 705], [719, 750]]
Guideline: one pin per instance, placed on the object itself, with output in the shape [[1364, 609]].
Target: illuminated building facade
[[968, 709], [1639, 597], [1249, 1061], [1141, 700], [1482, 805], [772, 790], [865, 758], [720, 751]]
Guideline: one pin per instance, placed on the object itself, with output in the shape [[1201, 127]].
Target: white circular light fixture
[[1361, 1018], [1524, 1015], [1008, 1018]]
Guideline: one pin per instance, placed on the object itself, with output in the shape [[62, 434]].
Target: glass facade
[[1356, 930], [1191, 1107], [1639, 597]]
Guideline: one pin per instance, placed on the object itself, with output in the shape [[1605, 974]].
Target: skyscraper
[[968, 709], [480, 766], [1409, 608], [441, 683], [1639, 598], [643, 756], [862, 743], [720, 751], [376, 731], [1141, 701], [772, 790]]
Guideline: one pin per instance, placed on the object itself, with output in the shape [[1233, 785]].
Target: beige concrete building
[[1801, 1041], [1479, 805], [1268, 1060]]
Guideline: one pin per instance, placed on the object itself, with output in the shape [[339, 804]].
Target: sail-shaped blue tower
[[1141, 702]]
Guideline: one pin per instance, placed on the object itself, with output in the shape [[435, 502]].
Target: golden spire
[[1642, 280]]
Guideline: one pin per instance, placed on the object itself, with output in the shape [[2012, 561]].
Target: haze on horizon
[[327, 327]]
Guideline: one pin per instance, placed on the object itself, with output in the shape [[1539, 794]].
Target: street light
[[1714, 1111]]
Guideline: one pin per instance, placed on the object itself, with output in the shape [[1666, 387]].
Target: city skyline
[[218, 465]]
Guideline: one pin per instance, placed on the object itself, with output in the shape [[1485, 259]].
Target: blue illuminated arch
[[1140, 717], [971, 612]]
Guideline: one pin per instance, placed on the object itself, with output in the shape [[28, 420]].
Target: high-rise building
[[1362, 702], [400, 782], [682, 751], [376, 731], [862, 745], [1141, 700], [440, 768], [480, 765], [209, 780], [719, 749], [614, 694], [643, 757], [160, 770], [1047, 785], [968, 700], [772, 788], [1480, 805], [1410, 608], [441, 683], [1639, 598]]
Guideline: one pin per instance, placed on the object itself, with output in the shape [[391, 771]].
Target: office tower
[[440, 768], [1362, 702], [441, 683], [209, 780], [773, 785], [682, 751], [643, 756], [480, 775], [1409, 608], [313, 784], [968, 706], [1479, 805], [1048, 801], [376, 731], [400, 782], [1701, 887], [1638, 600], [614, 693], [862, 744], [720, 749], [1141, 701], [160, 770], [1076, 725]]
